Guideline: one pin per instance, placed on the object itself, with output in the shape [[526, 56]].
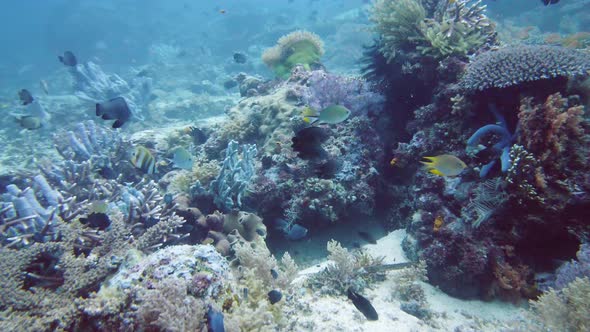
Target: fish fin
[[60, 58], [430, 158], [436, 172], [118, 123], [428, 163]]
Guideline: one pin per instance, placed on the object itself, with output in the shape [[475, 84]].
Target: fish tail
[[428, 164], [436, 172]]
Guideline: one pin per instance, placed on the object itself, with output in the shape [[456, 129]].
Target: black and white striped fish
[[143, 159]]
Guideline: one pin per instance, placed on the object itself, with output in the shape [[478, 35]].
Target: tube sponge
[[298, 47]]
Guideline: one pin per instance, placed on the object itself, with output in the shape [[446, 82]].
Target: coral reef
[[234, 176], [555, 134], [324, 89], [514, 65]]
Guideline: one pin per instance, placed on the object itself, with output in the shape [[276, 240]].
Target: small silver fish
[[181, 158]]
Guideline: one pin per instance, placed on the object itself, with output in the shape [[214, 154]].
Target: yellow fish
[[143, 159], [444, 165]]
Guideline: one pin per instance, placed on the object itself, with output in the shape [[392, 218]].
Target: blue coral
[[235, 175], [23, 217], [502, 147]]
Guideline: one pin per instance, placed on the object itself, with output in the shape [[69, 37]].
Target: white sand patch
[[337, 313]]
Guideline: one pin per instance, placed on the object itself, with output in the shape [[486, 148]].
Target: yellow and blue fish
[[143, 159], [444, 165]]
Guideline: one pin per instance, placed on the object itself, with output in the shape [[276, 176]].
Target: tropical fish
[[44, 86], [115, 108], [444, 165], [198, 135], [143, 159], [332, 114], [68, 59], [29, 122], [181, 158], [549, 2], [25, 96], [240, 57], [99, 220], [307, 142], [291, 231], [274, 273], [362, 304], [274, 296]]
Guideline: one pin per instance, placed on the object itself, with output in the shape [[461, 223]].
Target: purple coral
[[324, 89], [569, 271]]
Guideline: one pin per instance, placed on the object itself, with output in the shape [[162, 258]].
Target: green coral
[[457, 28], [398, 24], [449, 38], [297, 48]]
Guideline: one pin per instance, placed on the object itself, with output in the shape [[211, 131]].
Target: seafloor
[[257, 219]]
